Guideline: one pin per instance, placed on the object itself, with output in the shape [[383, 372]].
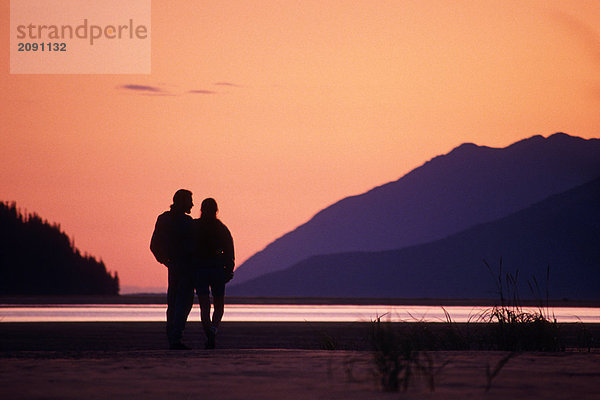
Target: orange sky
[[297, 105]]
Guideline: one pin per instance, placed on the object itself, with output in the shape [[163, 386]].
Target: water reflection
[[281, 313]]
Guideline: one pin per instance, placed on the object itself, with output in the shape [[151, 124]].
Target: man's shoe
[[179, 346]]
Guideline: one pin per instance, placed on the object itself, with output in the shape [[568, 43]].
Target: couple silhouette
[[199, 256]]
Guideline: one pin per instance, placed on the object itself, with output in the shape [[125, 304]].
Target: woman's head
[[209, 208]]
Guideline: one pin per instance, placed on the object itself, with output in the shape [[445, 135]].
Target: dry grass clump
[[516, 329]]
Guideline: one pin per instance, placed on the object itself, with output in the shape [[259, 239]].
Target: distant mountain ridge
[[448, 194], [561, 232]]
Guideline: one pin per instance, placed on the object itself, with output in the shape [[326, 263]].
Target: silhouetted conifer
[[38, 258]]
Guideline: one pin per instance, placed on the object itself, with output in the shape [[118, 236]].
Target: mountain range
[[452, 209], [561, 233]]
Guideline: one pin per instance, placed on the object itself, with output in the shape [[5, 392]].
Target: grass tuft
[[516, 329]]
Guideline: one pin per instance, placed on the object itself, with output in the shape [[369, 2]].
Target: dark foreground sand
[[46, 361], [289, 374]]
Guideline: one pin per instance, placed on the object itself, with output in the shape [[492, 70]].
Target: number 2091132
[[49, 46]]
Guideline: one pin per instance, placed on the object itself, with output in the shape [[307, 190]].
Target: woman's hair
[[209, 208]]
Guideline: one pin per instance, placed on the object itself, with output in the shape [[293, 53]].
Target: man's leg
[[187, 298], [184, 300], [171, 298]]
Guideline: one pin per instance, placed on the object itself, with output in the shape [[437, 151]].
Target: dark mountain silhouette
[[470, 185], [562, 232], [38, 258]]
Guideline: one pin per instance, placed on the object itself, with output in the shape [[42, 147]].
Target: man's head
[[209, 208], [182, 201]]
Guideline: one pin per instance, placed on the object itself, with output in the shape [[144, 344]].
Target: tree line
[[38, 258]]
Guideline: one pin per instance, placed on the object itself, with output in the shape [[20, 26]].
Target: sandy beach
[[288, 374], [262, 361]]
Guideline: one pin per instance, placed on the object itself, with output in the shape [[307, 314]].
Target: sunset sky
[[278, 109]]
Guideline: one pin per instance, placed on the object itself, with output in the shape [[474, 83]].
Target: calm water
[[282, 313]]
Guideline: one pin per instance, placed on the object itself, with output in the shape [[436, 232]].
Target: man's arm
[[159, 245]]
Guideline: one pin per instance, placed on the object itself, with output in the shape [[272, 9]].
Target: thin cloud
[[141, 88], [164, 90], [227, 84], [201, 91]]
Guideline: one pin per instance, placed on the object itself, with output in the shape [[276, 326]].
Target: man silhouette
[[171, 246], [214, 261]]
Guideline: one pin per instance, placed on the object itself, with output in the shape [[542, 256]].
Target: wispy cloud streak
[[161, 91], [141, 88], [227, 84], [201, 91]]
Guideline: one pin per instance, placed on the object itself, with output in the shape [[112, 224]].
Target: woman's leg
[[217, 285], [219, 310]]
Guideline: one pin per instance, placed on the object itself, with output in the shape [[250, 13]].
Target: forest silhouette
[[37, 258]]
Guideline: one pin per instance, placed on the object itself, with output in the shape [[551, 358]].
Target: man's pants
[[180, 298]]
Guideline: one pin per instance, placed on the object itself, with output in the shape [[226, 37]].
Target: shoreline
[[63, 338], [153, 298]]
